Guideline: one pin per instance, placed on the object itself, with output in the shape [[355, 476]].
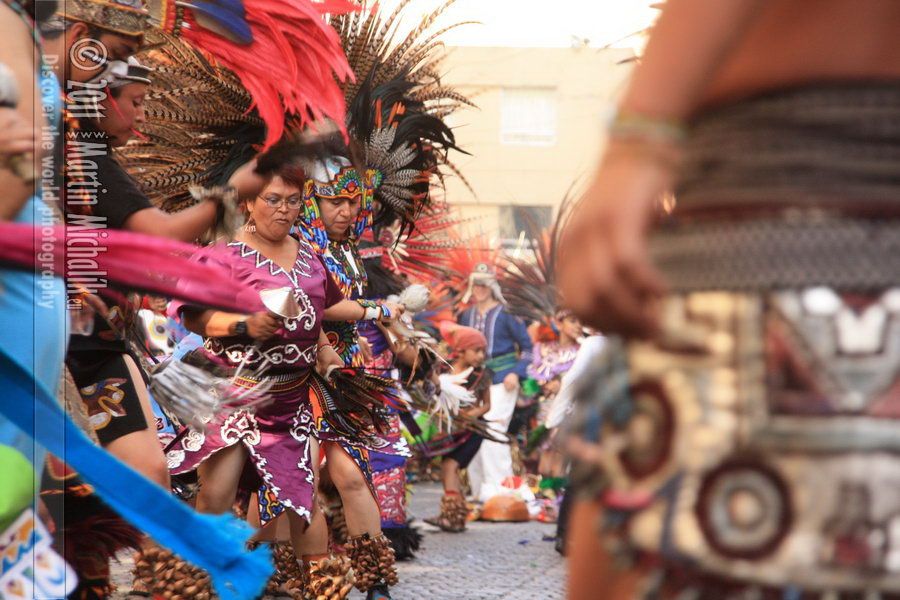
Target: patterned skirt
[[277, 438], [753, 448], [307, 399]]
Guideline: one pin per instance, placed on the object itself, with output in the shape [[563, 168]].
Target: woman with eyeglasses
[[279, 438]]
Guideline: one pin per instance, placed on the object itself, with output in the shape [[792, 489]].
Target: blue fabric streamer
[[214, 543]]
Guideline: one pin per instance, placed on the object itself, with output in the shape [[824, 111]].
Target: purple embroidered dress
[[550, 361], [277, 435]]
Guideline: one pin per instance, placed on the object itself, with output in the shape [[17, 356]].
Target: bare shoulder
[[17, 36]]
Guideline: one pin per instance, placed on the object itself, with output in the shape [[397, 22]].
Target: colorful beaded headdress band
[[334, 178]]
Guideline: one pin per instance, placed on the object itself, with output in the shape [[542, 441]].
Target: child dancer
[[468, 347]]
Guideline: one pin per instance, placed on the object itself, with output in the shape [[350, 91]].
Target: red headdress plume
[[465, 257], [283, 52]]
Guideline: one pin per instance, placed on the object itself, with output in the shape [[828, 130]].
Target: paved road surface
[[490, 561]]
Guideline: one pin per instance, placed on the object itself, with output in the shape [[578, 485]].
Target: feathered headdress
[[474, 260], [396, 106], [200, 124], [283, 53], [419, 255], [230, 76], [528, 278], [123, 17]]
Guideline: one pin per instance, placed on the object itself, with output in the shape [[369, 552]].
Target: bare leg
[[219, 476], [557, 464], [360, 508], [310, 538], [450, 476], [590, 566], [141, 449]]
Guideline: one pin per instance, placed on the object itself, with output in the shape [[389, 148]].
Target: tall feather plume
[[463, 257], [282, 52], [200, 124], [528, 280], [421, 255], [397, 106]]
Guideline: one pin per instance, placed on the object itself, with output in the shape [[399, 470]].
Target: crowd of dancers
[[257, 255], [237, 313]]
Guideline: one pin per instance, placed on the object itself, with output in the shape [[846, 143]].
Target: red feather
[[463, 258], [294, 64]]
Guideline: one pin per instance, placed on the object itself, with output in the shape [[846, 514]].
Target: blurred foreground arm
[[24, 123], [605, 272]]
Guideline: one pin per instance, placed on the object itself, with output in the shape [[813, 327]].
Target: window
[[528, 116], [516, 219]]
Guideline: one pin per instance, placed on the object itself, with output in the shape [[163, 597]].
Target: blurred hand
[[551, 388], [396, 311], [157, 304], [246, 181], [511, 382], [16, 134], [327, 357], [96, 304], [365, 349], [604, 270], [262, 325]]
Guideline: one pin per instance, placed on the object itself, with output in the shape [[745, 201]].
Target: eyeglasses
[[276, 201]]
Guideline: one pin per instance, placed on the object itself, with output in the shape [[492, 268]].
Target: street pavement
[[490, 561]]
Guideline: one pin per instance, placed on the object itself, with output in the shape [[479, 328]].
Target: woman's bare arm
[[345, 310], [210, 323], [215, 323], [689, 43]]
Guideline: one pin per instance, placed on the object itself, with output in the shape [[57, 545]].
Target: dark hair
[[115, 92], [292, 175], [51, 31]]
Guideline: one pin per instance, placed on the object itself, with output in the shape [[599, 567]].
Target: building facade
[[537, 129]]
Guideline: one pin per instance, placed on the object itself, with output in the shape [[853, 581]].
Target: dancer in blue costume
[[509, 354]]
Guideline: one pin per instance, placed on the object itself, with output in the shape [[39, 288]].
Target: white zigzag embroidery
[[301, 264]]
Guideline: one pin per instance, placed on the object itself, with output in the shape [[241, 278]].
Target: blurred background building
[[536, 130], [544, 77]]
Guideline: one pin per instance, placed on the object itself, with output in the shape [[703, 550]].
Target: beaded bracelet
[[374, 311], [641, 128]]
